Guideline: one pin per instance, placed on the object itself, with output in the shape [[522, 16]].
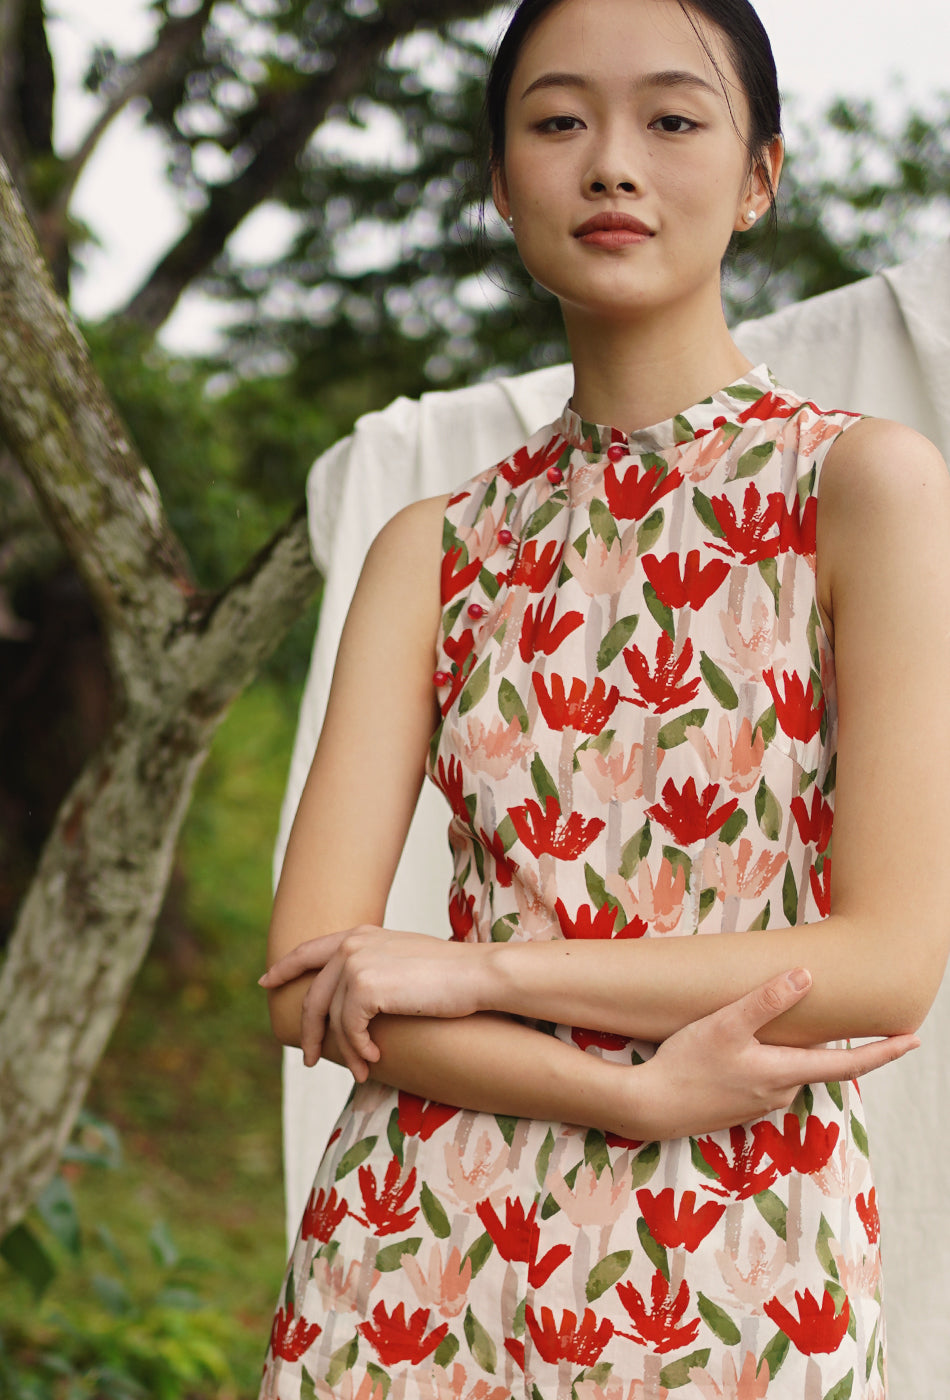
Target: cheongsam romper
[[638, 740]]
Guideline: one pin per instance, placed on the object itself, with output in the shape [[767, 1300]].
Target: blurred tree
[[358, 119]]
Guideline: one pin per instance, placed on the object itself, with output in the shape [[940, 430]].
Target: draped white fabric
[[882, 347]]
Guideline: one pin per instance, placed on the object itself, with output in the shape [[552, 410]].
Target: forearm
[[652, 988]]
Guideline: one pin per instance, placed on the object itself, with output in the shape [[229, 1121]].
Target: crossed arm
[[874, 965]]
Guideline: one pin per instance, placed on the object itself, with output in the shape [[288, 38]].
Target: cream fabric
[[881, 346]]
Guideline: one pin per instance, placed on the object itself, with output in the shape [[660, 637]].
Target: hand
[[366, 971], [714, 1073]]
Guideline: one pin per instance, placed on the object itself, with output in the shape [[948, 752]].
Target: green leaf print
[[479, 1253], [807, 781], [355, 1157], [502, 930], [602, 523], [768, 568], [394, 1136], [488, 500], [659, 611], [542, 518], [506, 1126], [823, 1249], [653, 1251], [543, 1157], [505, 831], [451, 615], [544, 784], [679, 860], [480, 1343], [872, 1348], [489, 584], [606, 1273], [703, 507], [734, 827], [828, 786], [595, 1151], [684, 430], [434, 1213], [674, 733], [768, 724], [511, 704], [676, 1374], [379, 1377], [814, 624], [790, 896], [859, 1135], [390, 1258], [616, 639], [635, 850], [768, 813], [752, 462], [650, 531], [645, 1164], [707, 903], [841, 1391], [699, 1161], [762, 922], [549, 1207], [835, 1095], [807, 483], [580, 544], [773, 1211], [446, 1351], [745, 393], [774, 1354], [719, 683], [343, 1360], [518, 1324], [718, 1322], [476, 687], [599, 896]]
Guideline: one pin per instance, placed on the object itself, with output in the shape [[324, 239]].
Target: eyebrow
[[668, 78]]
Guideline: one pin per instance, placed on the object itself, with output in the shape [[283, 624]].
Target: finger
[[314, 1012], [829, 1066], [773, 998], [351, 1058], [306, 957]]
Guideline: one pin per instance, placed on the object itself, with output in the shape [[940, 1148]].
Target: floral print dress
[[638, 740]]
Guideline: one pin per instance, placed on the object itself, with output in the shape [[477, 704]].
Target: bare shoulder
[[412, 538], [881, 465], [399, 581]]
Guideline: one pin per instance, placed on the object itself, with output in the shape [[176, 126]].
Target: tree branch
[[289, 122]]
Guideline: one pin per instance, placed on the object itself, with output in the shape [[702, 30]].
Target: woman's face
[[615, 108]]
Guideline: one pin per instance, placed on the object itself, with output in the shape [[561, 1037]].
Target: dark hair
[[749, 49]]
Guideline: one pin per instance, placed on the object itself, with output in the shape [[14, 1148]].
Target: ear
[[499, 190], [763, 183]]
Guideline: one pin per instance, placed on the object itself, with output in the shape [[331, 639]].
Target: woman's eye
[[674, 125], [560, 124]]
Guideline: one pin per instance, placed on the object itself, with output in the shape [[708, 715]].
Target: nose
[[614, 167]]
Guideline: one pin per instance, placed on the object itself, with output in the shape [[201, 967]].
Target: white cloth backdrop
[[881, 346]]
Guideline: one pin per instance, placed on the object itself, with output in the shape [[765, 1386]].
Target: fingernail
[[799, 979], [262, 981]]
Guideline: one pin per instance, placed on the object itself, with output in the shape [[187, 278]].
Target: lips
[[611, 221]]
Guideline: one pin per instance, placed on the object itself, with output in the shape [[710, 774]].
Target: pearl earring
[[751, 216]]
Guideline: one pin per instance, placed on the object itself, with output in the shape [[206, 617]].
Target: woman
[[660, 671]]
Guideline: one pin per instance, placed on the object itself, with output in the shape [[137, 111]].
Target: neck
[[632, 375]]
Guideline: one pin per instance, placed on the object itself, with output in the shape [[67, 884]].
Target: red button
[[441, 678], [475, 610], [505, 537], [555, 476], [616, 452]]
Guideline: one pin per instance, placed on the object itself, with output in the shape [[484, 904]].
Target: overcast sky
[[896, 53]]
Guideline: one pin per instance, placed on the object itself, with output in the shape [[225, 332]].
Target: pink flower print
[[613, 1390], [614, 775], [494, 749], [593, 1199], [751, 655], [536, 919], [747, 1384], [840, 1175], [602, 569], [813, 435], [347, 1389], [702, 456], [480, 539], [860, 1277], [444, 1286], [759, 1276], [337, 1290], [738, 880], [658, 901], [438, 1384], [475, 1181], [738, 761]]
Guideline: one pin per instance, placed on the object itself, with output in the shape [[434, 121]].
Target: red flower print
[[545, 834], [675, 1230], [516, 1350], [659, 1327], [798, 716], [693, 588], [790, 1151], [519, 1238], [452, 782], [455, 580], [814, 827], [615, 1140], [870, 1215], [534, 570], [666, 687], [542, 633], [604, 1040], [420, 1118], [322, 1215], [689, 817], [384, 1208], [524, 465], [584, 710], [635, 496], [797, 528], [585, 924], [461, 650], [580, 1342], [745, 1175], [817, 1328], [396, 1339], [768, 407], [289, 1340], [821, 887], [504, 867], [749, 537], [461, 915]]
